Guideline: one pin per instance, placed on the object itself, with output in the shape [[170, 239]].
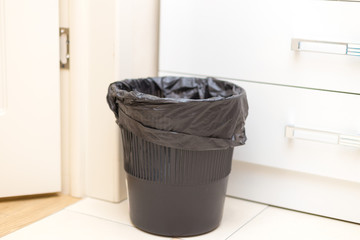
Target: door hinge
[[64, 41]]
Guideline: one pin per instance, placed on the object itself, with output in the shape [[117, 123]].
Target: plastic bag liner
[[181, 112]]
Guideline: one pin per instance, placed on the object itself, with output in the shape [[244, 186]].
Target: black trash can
[[178, 137]]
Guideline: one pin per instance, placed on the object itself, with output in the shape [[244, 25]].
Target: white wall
[[138, 31]]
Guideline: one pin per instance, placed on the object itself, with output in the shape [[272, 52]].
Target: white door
[[29, 97]]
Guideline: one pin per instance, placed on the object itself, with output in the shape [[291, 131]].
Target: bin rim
[[155, 99], [139, 96]]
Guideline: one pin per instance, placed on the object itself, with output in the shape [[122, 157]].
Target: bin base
[[176, 210]]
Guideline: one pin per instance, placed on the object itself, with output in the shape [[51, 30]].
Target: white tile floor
[[95, 219]]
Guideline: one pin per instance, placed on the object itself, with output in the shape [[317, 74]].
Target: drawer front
[[251, 40], [314, 118]]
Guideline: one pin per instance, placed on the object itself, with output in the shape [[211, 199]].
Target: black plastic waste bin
[[178, 137]]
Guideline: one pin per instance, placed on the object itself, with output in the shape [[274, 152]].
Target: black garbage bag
[[181, 112]]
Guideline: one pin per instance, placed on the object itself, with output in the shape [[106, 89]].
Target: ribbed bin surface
[[160, 164], [175, 192]]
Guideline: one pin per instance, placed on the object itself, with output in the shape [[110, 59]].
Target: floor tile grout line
[[248, 200], [247, 222], [102, 218]]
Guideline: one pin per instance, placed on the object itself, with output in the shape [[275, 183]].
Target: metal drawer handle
[[322, 136], [325, 47]]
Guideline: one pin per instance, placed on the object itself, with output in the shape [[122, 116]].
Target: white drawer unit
[[297, 129], [299, 62], [251, 39]]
